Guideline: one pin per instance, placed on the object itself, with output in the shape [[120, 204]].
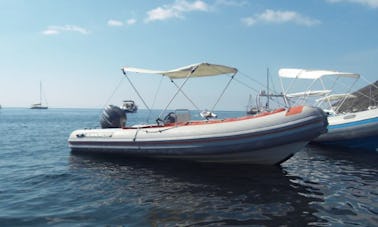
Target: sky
[[76, 48]]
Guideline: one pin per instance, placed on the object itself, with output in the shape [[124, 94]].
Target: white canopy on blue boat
[[335, 97], [194, 70], [313, 74], [308, 93]]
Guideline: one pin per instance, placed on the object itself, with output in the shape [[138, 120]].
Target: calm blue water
[[41, 183]]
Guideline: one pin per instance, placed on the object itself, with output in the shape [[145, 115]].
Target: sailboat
[[39, 105]]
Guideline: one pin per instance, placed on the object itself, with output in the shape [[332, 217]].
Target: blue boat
[[353, 129]]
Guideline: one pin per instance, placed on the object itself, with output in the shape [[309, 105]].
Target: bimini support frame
[[195, 70], [179, 89]]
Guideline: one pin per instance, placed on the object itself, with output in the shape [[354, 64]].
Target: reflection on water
[[43, 184], [182, 193], [346, 180]]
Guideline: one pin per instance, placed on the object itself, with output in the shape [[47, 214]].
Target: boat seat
[[170, 118], [179, 116], [182, 115]]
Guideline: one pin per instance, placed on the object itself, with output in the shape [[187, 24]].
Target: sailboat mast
[[267, 82], [40, 92]]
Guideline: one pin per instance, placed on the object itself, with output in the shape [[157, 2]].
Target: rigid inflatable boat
[[266, 138]]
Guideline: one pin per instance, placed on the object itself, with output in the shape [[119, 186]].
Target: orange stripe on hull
[[294, 110]]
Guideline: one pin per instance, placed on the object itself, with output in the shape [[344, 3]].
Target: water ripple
[[348, 182], [43, 184]]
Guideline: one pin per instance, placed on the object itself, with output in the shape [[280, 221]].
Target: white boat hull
[[38, 106], [266, 139]]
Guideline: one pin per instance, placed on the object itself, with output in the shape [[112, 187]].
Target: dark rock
[[365, 97]]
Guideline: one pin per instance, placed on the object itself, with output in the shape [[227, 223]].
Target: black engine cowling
[[113, 117]]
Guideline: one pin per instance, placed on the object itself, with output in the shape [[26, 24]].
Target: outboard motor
[[113, 117]]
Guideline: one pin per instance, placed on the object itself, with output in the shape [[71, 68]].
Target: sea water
[[42, 183]]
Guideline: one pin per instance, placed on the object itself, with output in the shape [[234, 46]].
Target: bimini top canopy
[[313, 74], [336, 97], [309, 93], [195, 70]]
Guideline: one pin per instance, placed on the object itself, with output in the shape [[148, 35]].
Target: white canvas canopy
[[335, 97], [312, 74], [197, 70], [308, 93]]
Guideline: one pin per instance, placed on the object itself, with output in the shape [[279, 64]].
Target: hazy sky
[[77, 47]]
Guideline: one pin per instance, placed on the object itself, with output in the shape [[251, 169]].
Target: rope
[[153, 102], [246, 85], [373, 84], [114, 91], [136, 91], [110, 97], [187, 97], [178, 90], [349, 88], [345, 98], [221, 95], [255, 90]]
